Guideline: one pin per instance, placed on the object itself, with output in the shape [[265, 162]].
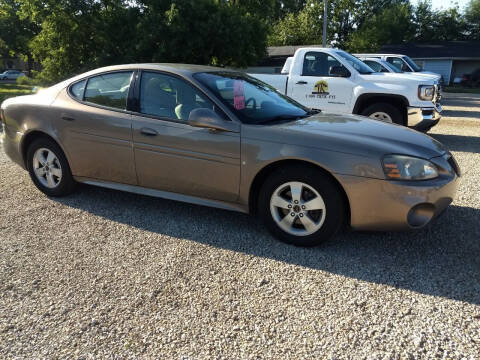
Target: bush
[[25, 80]]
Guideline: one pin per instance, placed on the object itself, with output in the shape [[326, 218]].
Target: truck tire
[[384, 112]]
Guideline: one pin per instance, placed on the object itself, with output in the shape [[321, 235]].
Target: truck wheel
[[384, 112], [301, 206]]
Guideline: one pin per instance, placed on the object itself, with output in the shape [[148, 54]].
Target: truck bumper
[[423, 119]]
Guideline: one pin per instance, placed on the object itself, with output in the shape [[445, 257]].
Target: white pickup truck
[[335, 81]]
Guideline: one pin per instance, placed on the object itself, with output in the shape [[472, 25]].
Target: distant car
[[402, 63], [471, 80], [11, 75], [221, 138], [380, 65]]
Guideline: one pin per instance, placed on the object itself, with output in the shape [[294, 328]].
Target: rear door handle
[[301, 82], [68, 118], [148, 132]]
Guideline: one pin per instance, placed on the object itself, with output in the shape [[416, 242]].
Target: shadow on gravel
[[441, 260], [461, 113], [459, 142]]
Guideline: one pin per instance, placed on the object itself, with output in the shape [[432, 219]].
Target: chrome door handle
[[148, 132], [301, 82]]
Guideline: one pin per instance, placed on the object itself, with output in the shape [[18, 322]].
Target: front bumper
[[423, 119], [384, 205]]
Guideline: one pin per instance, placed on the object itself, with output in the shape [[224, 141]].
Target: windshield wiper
[[283, 118]]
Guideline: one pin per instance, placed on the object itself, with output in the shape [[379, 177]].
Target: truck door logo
[[321, 87]]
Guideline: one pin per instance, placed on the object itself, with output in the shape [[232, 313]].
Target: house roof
[[444, 49]]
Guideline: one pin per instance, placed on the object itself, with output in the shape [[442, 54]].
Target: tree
[[393, 25], [200, 32], [424, 22], [15, 32], [302, 28], [79, 35], [472, 16]]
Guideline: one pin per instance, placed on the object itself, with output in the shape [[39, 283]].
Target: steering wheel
[[251, 100]]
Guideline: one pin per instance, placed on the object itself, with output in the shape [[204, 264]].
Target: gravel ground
[[105, 274]]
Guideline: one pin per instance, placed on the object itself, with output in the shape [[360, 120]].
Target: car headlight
[[401, 167], [426, 92]]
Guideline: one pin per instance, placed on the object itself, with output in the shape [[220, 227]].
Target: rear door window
[[77, 89], [109, 89]]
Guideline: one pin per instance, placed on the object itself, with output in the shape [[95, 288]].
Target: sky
[[445, 4]]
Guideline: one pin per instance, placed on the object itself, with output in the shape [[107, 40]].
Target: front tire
[[384, 112], [48, 168], [301, 206]]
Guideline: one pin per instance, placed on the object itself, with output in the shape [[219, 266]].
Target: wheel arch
[[31, 137], [365, 100], [266, 171]]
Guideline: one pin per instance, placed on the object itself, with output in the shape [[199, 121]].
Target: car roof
[[171, 67], [374, 54], [180, 69]]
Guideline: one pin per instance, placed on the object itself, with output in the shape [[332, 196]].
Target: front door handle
[[148, 132], [68, 118], [301, 82]]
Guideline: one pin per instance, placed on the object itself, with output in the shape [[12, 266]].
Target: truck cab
[[335, 81]]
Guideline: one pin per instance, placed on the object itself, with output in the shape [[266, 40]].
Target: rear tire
[[375, 111], [48, 168], [301, 206]]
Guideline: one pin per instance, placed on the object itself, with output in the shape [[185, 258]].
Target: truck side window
[[318, 64]]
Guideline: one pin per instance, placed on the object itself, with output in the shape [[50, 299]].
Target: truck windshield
[[412, 64], [251, 100], [360, 66]]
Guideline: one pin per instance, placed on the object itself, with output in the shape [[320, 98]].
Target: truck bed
[[278, 81]]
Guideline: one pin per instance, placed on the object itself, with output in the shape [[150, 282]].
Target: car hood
[[430, 75], [353, 134]]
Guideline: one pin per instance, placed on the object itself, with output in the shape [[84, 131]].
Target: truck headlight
[[401, 167], [426, 92]]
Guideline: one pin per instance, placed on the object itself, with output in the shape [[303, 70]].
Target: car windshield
[[412, 64], [360, 66], [251, 100]]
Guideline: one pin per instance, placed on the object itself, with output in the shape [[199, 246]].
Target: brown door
[[173, 156]]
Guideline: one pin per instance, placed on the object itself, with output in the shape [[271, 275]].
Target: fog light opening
[[420, 215]]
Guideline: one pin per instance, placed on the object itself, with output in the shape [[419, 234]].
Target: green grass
[[459, 89], [11, 90]]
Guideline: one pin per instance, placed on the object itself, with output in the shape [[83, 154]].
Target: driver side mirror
[[207, 118], [339, 71]]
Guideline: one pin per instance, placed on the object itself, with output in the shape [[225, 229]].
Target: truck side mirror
[[339, 71]]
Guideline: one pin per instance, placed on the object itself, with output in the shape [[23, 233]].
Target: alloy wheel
[[382, 116], [47, 168], [297, 208]]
